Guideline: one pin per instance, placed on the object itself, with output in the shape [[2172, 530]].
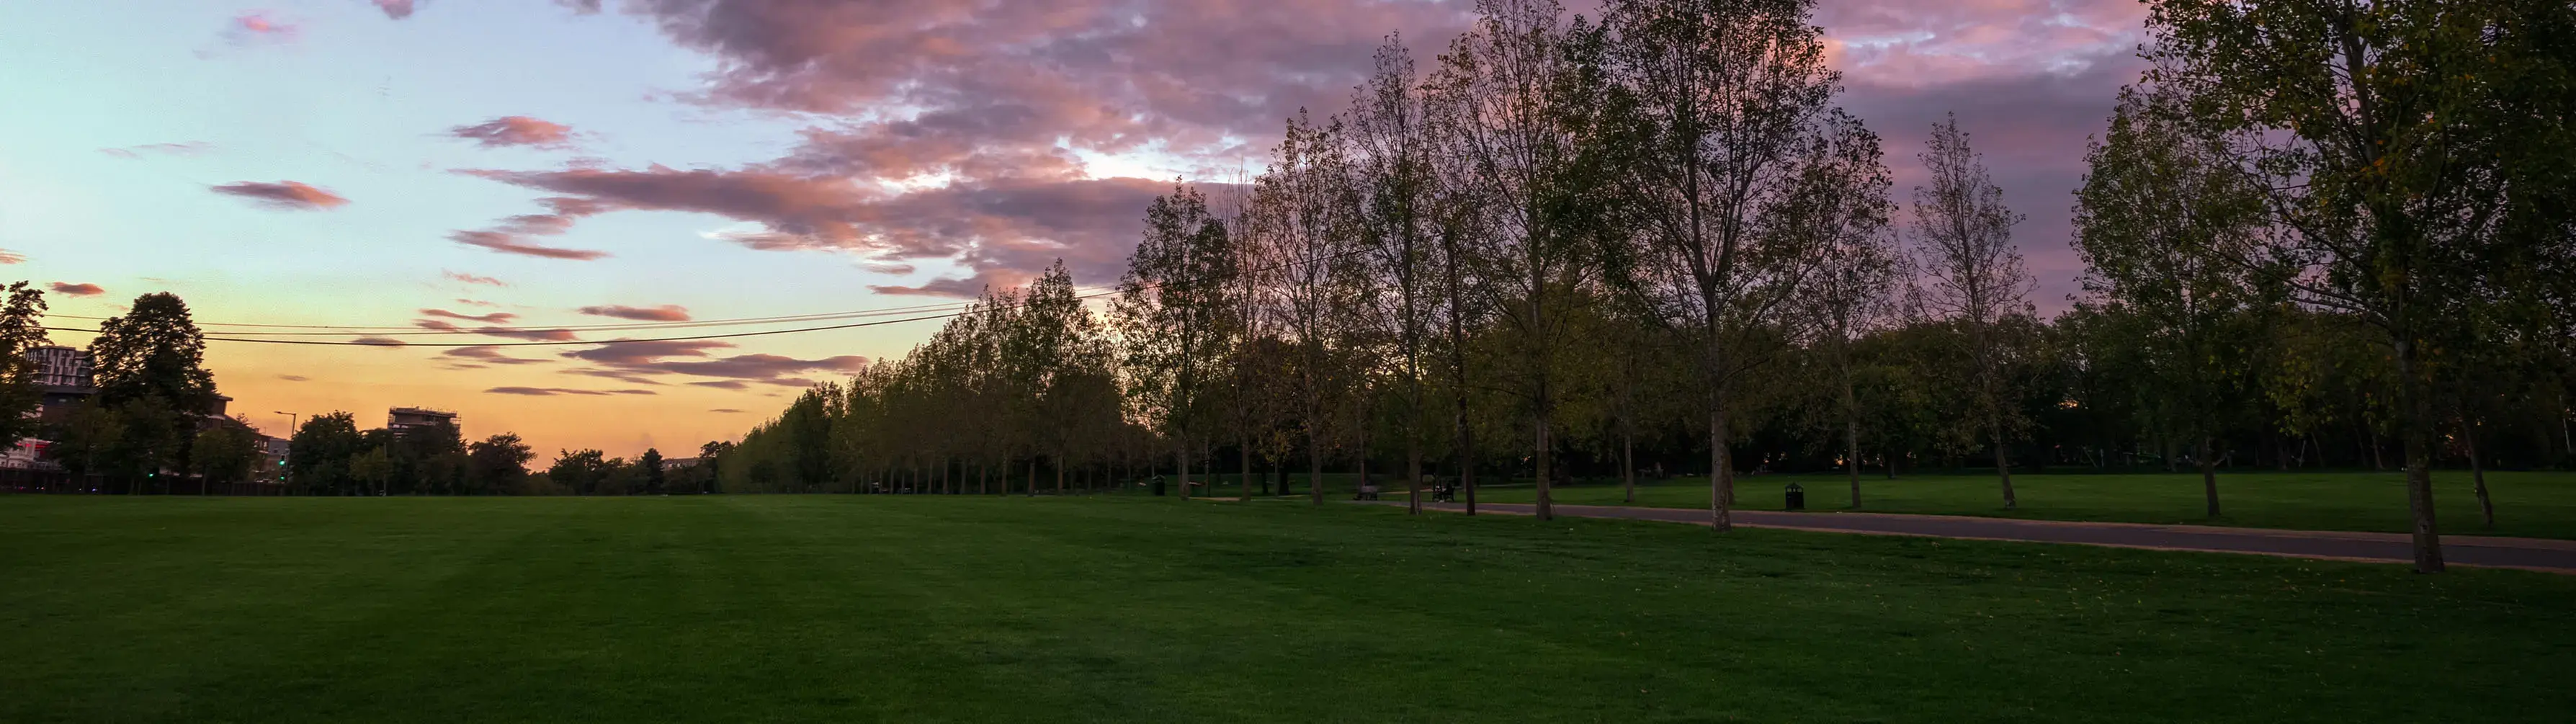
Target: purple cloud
[[516, 131], [284, 195]]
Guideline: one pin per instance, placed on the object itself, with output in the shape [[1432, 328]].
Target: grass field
[[918, 608], [2534, 504]]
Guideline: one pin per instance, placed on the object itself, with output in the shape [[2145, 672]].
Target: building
[[64, 378], [401, 419], [272, 460], [58, 366]]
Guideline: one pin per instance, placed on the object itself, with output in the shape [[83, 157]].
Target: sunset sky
[[416, 166]]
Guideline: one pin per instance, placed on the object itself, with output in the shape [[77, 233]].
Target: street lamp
[[282, 473]]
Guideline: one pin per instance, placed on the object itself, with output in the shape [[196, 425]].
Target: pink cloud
[[396, 9], [492, 318], [488, 355], [472, 279], [189, 148], [380, 342], [289, 195], [510, 244], [510, 235], [77, 290], [548, 391], [663, 313], [257, 27], [11, 257], [534, 335], [516, 131]]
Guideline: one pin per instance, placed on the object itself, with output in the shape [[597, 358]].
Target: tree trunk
[[2419, 457], [2209, 474], [1314, 468], [1246, 443], [2003, 466], [1721, 473], [1628, 461], [1851, 457], [1546, 511], [2477, 469], [1181, 455]]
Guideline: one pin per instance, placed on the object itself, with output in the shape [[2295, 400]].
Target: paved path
[[2539, 554]]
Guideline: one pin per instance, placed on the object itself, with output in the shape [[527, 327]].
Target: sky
[[417, 167]]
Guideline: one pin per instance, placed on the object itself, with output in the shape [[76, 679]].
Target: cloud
[[396, 9], [295, 378], [761, 367], [77, 290], [476, 302], [472, 279], [585, 7], [287, 195], [380, 342], [618, 353], [959, 131], [488, 355], [642, 360], [663, 313], [549, 391], [537, 335], [1012, 226], [516, 131], [510, 244], [493, 318], [257, 27], [726, 411], [508, 236], [11, 257], [189, 148]]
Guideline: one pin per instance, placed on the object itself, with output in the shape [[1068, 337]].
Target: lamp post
[[282, 475]]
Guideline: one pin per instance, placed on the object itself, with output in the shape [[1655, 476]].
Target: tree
[[153, 350], [1728, 128], [649, 467], [1520, 95], [225, 453], [498, 463], [85, 442], [2157, 223], [22, 328], [1395, 179], [1973, 276], [579, 471], [320, 451], [1300, 208], [2393, 142], [1170, 314], [373, 471]]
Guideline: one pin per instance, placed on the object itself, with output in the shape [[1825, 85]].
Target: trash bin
[[1797, 497], [1158, 485]]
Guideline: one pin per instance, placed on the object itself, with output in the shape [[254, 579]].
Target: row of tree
[[2314, 231]]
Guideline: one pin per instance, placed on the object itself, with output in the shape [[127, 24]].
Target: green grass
[[2534, 504], [918, 608]]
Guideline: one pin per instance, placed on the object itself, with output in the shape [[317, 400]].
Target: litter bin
[[1797, 497], [1158, 485]]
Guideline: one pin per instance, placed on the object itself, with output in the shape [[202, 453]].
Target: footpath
[[2537, 554]]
